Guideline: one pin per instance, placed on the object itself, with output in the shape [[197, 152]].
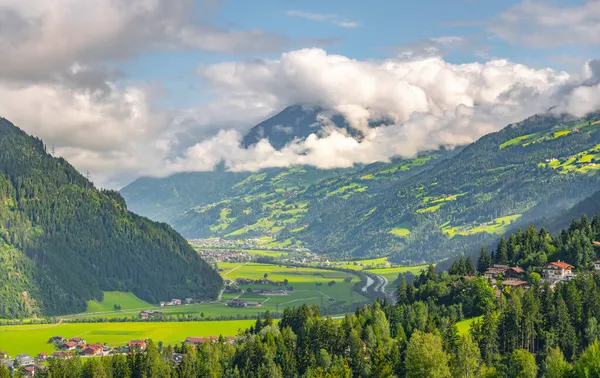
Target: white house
[[558, 271]]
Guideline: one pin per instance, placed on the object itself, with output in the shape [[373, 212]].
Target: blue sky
[[382, 29]]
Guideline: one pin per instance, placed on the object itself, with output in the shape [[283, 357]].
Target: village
[[77, 347]]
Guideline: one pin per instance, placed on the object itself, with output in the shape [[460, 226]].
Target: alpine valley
[[424, 209]]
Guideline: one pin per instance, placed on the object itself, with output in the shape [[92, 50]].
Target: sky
[[130, 88]]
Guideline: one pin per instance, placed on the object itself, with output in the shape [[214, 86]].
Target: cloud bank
[[433, 103]]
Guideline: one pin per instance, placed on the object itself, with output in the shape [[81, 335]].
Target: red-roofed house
[[28, 371], [199, 340], [93, 350], [42, 357], [77, 340], [558, 271], [138, 344], [515, 283], [71, 345]]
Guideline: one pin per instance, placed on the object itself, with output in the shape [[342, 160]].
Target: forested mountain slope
[[63, 242], [428, 208]]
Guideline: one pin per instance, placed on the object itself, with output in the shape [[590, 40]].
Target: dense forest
[[64, 242], [516, 332], [442, 202]]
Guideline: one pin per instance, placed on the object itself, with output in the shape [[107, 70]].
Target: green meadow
[[32, 339], [127, 301], [464, 326]]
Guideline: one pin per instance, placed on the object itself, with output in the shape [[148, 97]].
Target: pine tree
[[483, 263]]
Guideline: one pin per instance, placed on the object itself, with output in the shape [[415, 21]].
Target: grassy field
[[402, 230], [311, 286], [127, 301], [33, 339], [465, 326]]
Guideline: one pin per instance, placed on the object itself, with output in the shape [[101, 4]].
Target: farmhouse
[[199, 340], [77, 340], [515, 283], [70, 345], [150, 313], [495, 270], [597, 265], [137, 344], [558, 271], [56, 339], [253, 304], [28, 371], [93, 350], [63, 355]]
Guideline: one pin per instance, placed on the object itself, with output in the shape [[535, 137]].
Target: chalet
[[70, 345], [597, 265], [514, 272], [558, 271], [176, 302], [495, 270], [253, 304], [137, 344], [515, 283], [24, 360], [42, 357], [77, 340], [93, 350], [199, 340]]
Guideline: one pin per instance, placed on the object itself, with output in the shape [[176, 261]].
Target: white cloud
[[544, 24], [321, 17], [39, 38], [433, 103]]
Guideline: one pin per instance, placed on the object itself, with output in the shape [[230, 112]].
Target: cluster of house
[[240, 304], [553, 272], [177, 302], [77, 345], [28, 366], [147, 314]]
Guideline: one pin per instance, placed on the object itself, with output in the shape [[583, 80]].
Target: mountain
[[297, 122], [427, 208], [63, 242]]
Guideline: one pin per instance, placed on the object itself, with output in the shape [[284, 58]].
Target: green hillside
[[422, 209], [63, 242]]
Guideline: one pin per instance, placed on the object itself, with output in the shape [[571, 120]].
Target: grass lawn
[[33, 339], [127, 301], [464, 326], [498, 226]]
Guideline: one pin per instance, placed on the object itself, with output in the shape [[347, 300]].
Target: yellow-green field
[[497, 227], [32, 339]]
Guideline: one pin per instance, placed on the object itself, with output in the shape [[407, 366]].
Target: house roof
[[514, 283], [199, 340], [597, 243], [137, 342], [560, 264], [517, 269], [71, 344]]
